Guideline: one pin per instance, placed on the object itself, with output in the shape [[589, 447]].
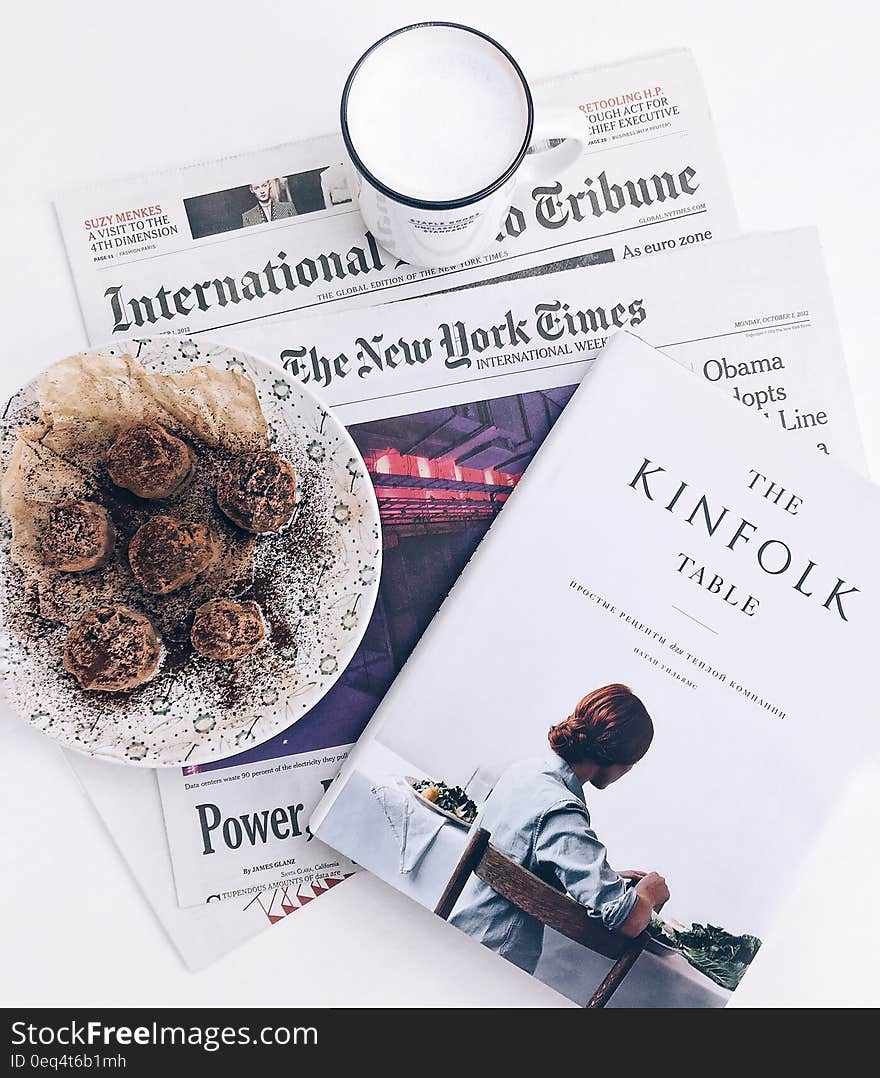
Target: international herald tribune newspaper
[[269, 234]]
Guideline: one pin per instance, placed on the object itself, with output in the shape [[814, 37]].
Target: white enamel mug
[[433, 224]]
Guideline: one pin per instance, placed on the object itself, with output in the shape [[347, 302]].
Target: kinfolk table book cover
[[646, 690]]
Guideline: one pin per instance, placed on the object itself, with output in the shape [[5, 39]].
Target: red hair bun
[[609, 726]]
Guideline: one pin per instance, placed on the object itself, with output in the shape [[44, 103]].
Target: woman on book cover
[[537, 815]]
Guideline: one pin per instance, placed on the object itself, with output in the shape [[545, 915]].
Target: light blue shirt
[[536, 814]]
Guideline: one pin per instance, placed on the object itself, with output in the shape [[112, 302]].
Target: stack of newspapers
[[692, 522]]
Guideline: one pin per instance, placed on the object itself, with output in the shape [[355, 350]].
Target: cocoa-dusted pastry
[[225, 629], [78, 536], [165, 554], [257, 492], [111, 648], [150, 462]]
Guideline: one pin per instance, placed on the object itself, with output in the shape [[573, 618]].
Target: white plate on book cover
[[183, 716], [433, 806]]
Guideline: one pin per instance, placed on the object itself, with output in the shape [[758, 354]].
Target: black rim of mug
[[420, 203]]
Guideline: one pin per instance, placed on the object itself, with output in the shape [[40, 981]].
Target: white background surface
[[95, 90]]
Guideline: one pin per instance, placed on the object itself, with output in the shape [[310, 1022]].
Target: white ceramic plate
[[194, 710], [432, 805]]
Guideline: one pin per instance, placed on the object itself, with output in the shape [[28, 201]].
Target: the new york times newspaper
[[448, 399], [236, 245]]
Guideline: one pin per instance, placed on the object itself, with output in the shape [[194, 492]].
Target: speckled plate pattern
[[324, 571]]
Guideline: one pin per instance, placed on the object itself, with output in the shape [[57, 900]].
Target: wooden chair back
[[545, 903]]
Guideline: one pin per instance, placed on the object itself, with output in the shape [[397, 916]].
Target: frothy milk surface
[[437, 113]]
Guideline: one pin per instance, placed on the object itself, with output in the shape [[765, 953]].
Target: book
[[656, 661]]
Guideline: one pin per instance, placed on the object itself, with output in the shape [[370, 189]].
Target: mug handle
[[547, 164]]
